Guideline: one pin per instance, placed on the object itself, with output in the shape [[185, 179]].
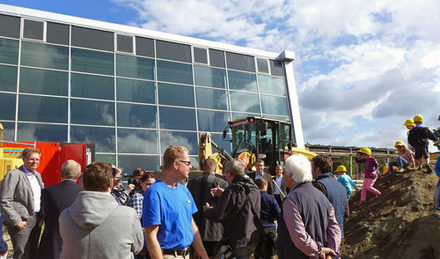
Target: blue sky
[[361, 69]]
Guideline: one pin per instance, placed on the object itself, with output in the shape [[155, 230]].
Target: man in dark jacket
[[332, 189], [55, 199], [200, 188], [236, 209], [259, 173]]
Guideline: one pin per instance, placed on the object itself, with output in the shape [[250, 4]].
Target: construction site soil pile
[[400, 223]]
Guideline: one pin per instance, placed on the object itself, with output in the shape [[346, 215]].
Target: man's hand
[[326, 252], [21, 225], [207, 207], [130, 187], [217, 191]]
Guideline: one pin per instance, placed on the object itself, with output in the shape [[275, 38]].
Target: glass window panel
[[173, 51], [40, 81], [137, 141], [272, 85], [106, 158], [42, 109], [242, 81], [90, 38], [174, 72], [33, 30], [216, 58], [240, 62], [212, 120], [8, 51], [274, 105], [210, 98], [43, 55], [9, 128], [10, 26], [129, 163], [218, 139], [8, 78], [42, 132], [186, 139], [92, 112], [144, 47], [7, 106], [57, 33], [200, 55], [175, 118], [100, 87], [237, 115], [284, 118], [104, 138], [135, 115], [244, 102], [137, 67], [207, 76], [262, 65], [125, 43], [92, 61], [276, 68], [176, 95], [136, 91]]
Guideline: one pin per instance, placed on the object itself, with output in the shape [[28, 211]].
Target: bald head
[[71, 170]]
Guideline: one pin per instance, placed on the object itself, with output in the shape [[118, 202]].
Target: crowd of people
[[297, 213]]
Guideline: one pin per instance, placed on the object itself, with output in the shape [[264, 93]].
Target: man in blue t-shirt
[[168, 208]]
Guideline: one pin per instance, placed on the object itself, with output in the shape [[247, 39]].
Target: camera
[[226, 251]]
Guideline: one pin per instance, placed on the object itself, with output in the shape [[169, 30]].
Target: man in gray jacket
[[96, 226]]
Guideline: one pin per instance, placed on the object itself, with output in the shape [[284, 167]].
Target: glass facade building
[[131, 91]]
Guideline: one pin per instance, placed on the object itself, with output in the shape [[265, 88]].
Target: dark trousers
[[25, 241]]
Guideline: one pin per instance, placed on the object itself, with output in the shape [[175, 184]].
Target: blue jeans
[[400, 162], [437, 197]]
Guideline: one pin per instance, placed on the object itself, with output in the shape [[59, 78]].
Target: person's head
[[71, 170], [261, 183], [321, 164], [340, 170], [400, 145], [418, 119], [31, 158], [146, 180], [138, 172], [233, 169], [116, 174], [279, 170], [409, 124], [364, 152], [176, 159], [297, 169], [210, 165], [98, 177], [259, 166]]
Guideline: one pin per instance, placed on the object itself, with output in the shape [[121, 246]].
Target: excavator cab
[[256, 137]]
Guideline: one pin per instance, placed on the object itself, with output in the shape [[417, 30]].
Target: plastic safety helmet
[[341, 168], [399, 143], [409, 122], [418, 118], [365, 150]]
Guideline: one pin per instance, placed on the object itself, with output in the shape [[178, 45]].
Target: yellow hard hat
[[341, 168], [409, 122], [418, 118], [399, 143], [365, 150]]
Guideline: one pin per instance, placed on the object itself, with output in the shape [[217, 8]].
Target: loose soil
[[400, 223]]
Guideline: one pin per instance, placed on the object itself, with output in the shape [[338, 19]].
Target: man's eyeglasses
[[187, 163]]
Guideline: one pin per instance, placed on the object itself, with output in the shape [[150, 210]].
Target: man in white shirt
[[279, 180], [20, 195]]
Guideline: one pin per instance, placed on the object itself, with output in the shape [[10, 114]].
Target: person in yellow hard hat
[[418, 138], [370, 170], [345, 180], [405, 158]]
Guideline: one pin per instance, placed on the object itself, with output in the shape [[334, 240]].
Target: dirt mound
[[401, 223]]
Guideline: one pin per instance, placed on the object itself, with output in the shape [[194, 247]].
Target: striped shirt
[[370, 166]]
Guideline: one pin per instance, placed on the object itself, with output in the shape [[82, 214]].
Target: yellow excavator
[[253, 138]]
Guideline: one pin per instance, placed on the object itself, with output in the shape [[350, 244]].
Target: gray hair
[[71, 170], [235, 167], [299, 169]]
